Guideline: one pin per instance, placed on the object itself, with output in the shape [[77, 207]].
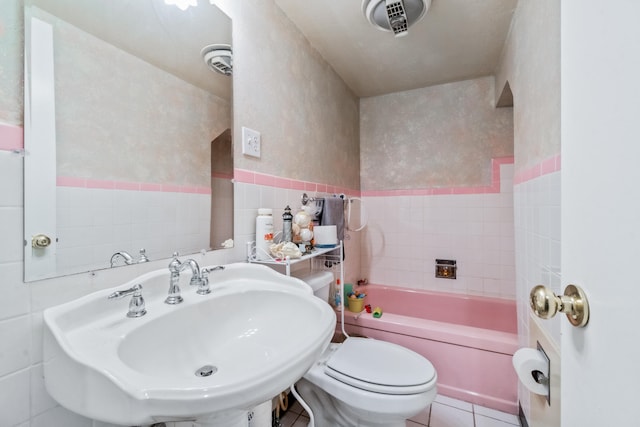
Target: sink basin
[[210, 358]]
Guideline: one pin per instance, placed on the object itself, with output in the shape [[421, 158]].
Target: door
[[600, 131]]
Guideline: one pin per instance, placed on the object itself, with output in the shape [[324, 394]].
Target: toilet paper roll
[[525, 362]]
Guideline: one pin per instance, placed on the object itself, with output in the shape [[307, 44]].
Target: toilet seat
[[381, 367]]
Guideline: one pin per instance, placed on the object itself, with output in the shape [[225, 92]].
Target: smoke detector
[[219, 58], [394, 15]]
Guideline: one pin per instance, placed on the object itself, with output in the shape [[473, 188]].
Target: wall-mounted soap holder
[[446, 268]]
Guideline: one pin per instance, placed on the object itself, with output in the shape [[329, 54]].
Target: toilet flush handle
[[545, 304]]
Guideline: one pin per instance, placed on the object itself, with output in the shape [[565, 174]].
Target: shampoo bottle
[[264, 233]]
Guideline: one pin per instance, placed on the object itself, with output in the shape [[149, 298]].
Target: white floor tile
[[448, 416], [498, 415], [413, 424], [422, 418], [466, 406], [482, 421]]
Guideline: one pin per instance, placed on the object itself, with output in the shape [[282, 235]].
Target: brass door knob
[[40, 241], [545, 304]]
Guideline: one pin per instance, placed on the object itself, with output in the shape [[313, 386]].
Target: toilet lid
[[380, 366]]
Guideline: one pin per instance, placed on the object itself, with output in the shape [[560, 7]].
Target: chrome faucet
[[203, 288], [128, 259], [175, 267], [136, 305]]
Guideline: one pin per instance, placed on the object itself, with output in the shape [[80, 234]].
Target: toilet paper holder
[[540, 377], [545, 304], [533, 368]]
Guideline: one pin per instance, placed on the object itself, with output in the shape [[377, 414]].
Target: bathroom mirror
[[127, 134]]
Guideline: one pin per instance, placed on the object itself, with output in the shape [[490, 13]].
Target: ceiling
[[456, 40], [159, 34]]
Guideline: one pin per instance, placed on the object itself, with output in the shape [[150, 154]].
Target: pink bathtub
[[470, 340]]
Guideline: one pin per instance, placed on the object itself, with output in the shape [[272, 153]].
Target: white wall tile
[[537, 249], [40, 399], [15, 294], [14, 398], [11, 189], [15, 344], [11, 230], [60, 416]]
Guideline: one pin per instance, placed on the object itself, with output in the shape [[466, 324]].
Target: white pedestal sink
[[209, 359]]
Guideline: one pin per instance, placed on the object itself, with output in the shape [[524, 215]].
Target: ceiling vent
[[218, 57], [394, 15]]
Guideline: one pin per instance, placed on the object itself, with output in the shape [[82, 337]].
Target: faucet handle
[[143, 256], [174, 265], [203, 286], [136, 305]]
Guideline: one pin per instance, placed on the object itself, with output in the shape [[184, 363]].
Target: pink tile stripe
[[69, 181], [550, 165], [493, 188], [250, 177], [11, 137]]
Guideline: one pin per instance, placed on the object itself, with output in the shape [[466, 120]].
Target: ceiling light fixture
[[394, 15]]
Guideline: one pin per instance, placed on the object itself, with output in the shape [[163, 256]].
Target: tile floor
[[443, 412]]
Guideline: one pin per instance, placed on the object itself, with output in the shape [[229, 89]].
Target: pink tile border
[[69, 181], [250, 177], [11, 137], [547, 166]]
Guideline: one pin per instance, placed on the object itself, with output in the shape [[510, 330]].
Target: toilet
[[365, 382]]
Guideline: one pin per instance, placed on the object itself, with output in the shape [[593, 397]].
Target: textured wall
[[531, 65], [11, 63], [120, 118], [283, 88], [439, 136]]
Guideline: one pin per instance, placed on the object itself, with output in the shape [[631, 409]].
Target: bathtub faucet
[[175, 267]]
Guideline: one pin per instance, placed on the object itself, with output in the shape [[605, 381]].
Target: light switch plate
[[250, 142]]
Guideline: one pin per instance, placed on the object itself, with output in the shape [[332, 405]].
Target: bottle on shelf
[[264, 233], [337, 298]]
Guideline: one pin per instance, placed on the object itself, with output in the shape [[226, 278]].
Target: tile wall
[[127, 220], [537, 231], [406, 233]]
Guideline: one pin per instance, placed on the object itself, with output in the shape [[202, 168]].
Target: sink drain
[[206, 370]]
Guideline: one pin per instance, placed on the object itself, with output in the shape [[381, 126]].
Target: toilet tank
[[320, 282]]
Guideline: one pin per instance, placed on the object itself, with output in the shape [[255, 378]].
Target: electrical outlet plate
[[250, 142]]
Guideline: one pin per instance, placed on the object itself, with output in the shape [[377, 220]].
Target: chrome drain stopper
[[206, 370]]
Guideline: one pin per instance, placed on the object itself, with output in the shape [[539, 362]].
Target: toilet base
[[331, 412]]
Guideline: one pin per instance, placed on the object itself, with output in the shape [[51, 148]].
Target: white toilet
[[365, 382]]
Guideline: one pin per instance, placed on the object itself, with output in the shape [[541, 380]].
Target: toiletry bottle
[[264, 233], [287, 221], [338, 300]]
